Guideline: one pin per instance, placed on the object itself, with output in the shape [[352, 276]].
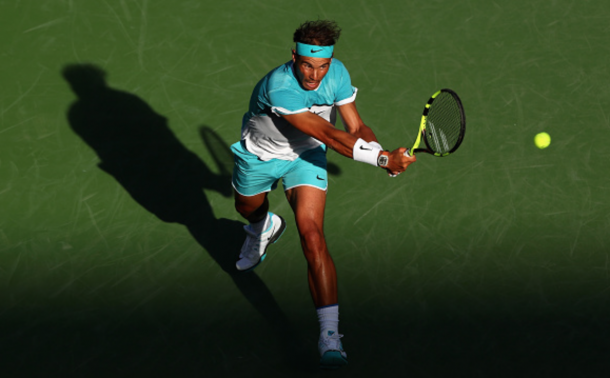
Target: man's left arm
[[355, 126], [353, 123]]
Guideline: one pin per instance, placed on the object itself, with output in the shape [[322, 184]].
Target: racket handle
[[407, 154]]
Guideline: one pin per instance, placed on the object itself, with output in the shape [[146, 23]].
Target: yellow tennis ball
[[542, 140]]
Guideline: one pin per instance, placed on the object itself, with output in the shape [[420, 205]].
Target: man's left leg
[[308, 204]]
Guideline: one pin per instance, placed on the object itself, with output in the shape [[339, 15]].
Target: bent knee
[[247, 207], [243, 209], [313, 242]]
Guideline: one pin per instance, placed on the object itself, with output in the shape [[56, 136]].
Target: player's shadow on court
[[137, 148]]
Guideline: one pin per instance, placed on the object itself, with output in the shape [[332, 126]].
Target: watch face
[[382, 161]]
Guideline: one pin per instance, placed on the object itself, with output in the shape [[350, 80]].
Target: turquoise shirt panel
[[267, 134], [280, 92]]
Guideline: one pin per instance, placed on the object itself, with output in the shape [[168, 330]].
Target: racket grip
[[407, 153]]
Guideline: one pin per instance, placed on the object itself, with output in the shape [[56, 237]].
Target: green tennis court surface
[[117, 228]]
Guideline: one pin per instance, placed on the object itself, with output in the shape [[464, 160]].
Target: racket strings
[[444, 124]]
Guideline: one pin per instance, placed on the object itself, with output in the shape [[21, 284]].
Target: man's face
[[310, 71]]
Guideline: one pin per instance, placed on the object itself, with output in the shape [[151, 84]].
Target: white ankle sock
[[261, 226], [329, 318]]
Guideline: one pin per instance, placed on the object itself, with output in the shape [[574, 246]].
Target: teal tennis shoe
[[332, 355], [254, 249]]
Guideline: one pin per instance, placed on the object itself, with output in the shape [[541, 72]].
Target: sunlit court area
[[119, 234]]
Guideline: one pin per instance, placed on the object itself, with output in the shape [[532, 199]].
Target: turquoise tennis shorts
[[252, 176]]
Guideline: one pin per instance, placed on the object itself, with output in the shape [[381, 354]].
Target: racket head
[[443, 124]]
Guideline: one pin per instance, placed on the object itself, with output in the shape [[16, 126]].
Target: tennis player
[[285, 134]]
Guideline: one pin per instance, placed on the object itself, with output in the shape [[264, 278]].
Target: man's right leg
[[252, 180], [253, 208]]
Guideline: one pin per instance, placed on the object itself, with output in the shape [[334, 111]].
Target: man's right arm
[[340, 141], [319, 128]]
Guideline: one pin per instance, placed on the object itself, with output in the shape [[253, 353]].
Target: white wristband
[[366, 152], [375, 144]]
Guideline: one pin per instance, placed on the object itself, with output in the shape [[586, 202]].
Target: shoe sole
[[332, 360], [275, 238]]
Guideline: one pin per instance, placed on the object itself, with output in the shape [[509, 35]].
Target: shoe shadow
[[137, 148]]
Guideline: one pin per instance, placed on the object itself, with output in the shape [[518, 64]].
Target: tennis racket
[[442, 126]]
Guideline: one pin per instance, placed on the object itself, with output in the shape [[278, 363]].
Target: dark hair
[[319, 33]]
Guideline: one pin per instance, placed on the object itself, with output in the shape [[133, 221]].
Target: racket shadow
[[138, 149]]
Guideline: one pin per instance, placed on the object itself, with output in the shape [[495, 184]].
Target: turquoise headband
[[314, 51]]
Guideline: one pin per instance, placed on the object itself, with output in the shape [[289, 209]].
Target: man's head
[[314, 51]]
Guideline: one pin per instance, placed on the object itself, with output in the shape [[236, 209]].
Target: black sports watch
[[383, 160]]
